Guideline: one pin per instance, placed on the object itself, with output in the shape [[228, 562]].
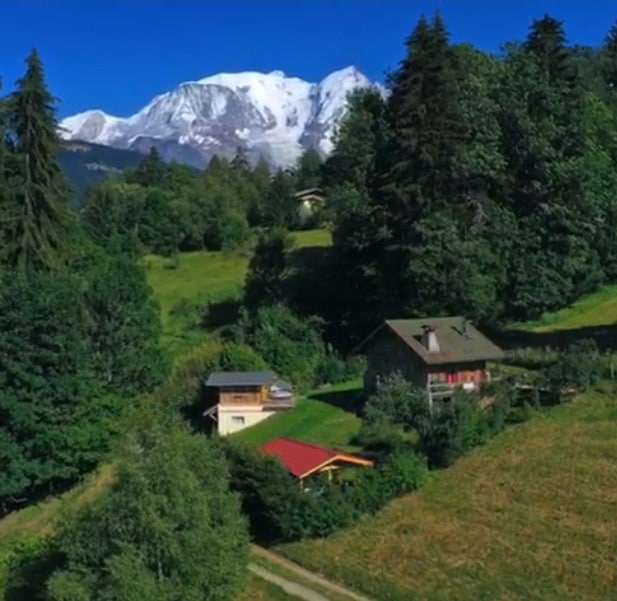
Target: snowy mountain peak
[[270, 114]]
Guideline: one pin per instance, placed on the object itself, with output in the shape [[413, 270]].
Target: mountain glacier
[[269, 114]]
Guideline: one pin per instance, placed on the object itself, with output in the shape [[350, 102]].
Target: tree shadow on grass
[[604, 336], [222, 313], [351, 401]]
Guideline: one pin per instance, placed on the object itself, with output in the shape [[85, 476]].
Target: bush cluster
[[400, 412], [279, 511]]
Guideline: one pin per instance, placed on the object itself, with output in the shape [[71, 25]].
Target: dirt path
[[304, 574], [291, 588]]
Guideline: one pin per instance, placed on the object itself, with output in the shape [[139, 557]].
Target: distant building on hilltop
[[309, 201], [438, 353]]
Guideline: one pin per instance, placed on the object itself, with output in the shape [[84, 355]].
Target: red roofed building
[[303, 459]]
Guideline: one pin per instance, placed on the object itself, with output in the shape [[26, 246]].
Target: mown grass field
[[530, 516], [197, 278], [598, 309], [313, 420]]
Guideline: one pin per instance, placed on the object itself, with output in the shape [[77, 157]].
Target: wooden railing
[[272, 402]]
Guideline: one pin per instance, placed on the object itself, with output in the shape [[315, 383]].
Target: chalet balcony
[[280, 396], [442, 389]]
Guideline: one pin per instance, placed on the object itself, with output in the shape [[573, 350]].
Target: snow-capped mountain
[[269, 114]]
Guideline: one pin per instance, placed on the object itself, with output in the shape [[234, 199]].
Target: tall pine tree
[[38, 230]]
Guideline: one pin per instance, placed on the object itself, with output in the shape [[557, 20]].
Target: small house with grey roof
[[243, 399], [439, 354]]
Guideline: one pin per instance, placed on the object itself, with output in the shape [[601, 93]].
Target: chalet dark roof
[[240, 378], [309, 192], [455, 346]]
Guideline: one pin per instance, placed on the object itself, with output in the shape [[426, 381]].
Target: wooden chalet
[[439, 354], [305, 460], [243, 399]]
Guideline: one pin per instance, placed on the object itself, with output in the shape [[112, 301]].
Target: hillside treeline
[[79, 348], [164, 209], [484, 185]]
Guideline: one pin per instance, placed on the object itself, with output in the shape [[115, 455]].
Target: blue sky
[[117, 54]]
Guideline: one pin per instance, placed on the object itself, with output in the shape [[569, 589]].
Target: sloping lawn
[[530, 516], [184, 286], [315, 419], [598, 309]]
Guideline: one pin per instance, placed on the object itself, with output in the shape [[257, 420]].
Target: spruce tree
[[7, 199], [309, 169], [429, 126], [547, 42], [268, 269], [38, 232], [608, 62], [240, 162], [359, 143], [151, 171]]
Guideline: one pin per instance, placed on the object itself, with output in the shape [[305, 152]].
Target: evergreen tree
[[428, 124], [54, 420], [308, 170], [547, 42], [268, 269], [280, 208], [151, 171], [123, 327], [8, 212], [38, 230], [359, 143], [609, 59], [261, 175], [240, 162]]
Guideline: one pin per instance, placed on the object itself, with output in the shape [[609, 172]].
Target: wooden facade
[[242, 399], [243, 395], [439, 357], [387, 354]]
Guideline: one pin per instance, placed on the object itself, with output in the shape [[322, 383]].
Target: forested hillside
[[483, 186]]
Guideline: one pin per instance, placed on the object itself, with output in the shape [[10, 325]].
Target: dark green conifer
[[38, 230], [151, 171]]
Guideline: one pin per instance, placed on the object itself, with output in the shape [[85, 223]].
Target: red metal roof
[[298, 457]]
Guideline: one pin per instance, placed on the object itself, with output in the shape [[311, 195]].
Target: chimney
[[466, 330], [429, 339]]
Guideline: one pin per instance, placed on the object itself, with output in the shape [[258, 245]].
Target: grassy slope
[[260, 590], [529, 516], [596, 309], [201, 278], [312, 420]]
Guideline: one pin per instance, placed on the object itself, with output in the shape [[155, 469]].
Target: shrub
[[500, 410], [292, 346], [333, 370], [579, 367], [168, 528], [240, 357], [454, 427], [278, 511], [403, 473], [398, 402], [269, 496], [532, 358], [381, 437], [187, 375], [25, 568]]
